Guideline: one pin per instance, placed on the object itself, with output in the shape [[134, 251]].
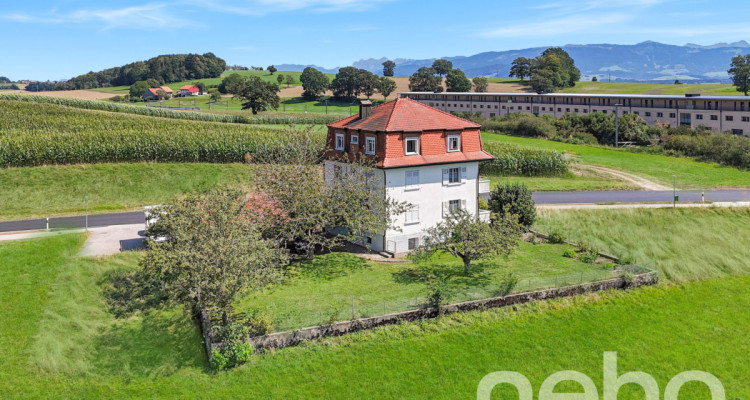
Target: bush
[[522, 161], [722, 148], [507, 285], [235, 349], [628, 278], [570, 253], [438, 294], [514, 199], [556, 237], [483, 205], [588, 258]]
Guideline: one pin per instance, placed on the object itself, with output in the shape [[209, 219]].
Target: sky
[[60, 39]]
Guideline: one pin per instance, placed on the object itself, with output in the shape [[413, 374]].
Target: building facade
[[718, 113], [422, 156]]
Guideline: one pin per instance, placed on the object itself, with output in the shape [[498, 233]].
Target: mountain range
[[643, 62]]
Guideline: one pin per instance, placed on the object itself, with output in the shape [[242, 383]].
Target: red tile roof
[[454, 157], [190, 88], [405, 115], [153, 91], [166, 89]]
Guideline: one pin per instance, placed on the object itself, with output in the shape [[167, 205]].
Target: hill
[[643, 62]]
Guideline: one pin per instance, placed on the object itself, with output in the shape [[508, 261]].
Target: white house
[[424, 156]]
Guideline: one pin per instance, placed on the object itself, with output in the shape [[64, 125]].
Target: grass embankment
[[683, 243], [651, 88], [55, 190], [61, 341], [690, 174]]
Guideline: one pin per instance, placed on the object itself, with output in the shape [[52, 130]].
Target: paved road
[[638, 196], [632, 196]]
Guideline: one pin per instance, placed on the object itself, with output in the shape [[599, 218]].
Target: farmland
[[62, 340]]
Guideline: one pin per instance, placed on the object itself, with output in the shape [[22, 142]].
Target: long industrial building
[[719, 113]]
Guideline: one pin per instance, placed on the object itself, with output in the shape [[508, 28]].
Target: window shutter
[[463, 174], [445, 176], [446, 207], [463, 205]]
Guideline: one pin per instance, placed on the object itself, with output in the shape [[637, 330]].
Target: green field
[[55, 190], [567, 182], [265, 75], [690, 174], [287, 105], [62, 341], [652, 88]]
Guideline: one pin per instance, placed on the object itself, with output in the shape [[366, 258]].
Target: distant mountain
[[300, 68], [643, 62]]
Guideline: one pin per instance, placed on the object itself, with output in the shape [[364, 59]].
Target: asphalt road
[[631, 196]]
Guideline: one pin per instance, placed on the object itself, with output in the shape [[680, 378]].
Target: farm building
[[189, 90], [153, 93], [423, 156]]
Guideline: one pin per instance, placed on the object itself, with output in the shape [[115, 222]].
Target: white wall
[[429, 197]]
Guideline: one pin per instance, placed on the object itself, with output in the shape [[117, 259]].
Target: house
[[423, 156], [189, 90], [153, 93]]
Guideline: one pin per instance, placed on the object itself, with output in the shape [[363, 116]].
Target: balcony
[[484, 216], [484, 186]]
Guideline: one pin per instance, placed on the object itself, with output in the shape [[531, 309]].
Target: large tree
[[740, 73], [520, 68], [230, 83], [386, 86], [368, 82], [314, 83], [388, 68], [442, 67], [352, 200], [480, 84], [464, 236], [271, 69], [544, 81], [137, 89], [257, 94], [425, 80], [214, 251], [350, 82], [456, 81]]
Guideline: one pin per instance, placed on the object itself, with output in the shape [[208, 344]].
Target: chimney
[[365, 109]]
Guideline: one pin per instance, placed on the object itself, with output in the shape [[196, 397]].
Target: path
[[641, 182]]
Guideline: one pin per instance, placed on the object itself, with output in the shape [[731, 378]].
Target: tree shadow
[[159, 343], [328, 266], [453, 274], [130, 291]]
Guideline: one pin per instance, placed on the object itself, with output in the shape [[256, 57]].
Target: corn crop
[[523, 161]]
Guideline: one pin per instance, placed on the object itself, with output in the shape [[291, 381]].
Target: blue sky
[[63, 38]]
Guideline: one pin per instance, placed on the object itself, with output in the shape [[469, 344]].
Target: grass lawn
[[54, 190], [60, 341], [683, 243], [324, 289], [651, 88], [691, 174], [567, 182]]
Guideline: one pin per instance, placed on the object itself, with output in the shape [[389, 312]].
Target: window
[[412, 215], [412, 180], [354, 139], [452, 206], [413, 243], [745, 119], [714, 118], [370, 145], [729, 118], [412, 146], [453, 175], [454, 143], [659, 115], [648, 113], [559, 109], [339, 141], [672, 115], [698, 116], [737, 131]]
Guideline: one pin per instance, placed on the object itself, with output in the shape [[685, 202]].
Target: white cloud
[[145, 16], [557, 26], [262, 7]]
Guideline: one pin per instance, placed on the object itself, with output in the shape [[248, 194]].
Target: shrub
[[523, 161], [438, 294], [570, 253], [483, 205], [235, 350], [259, 323], [588, 258], [508, 283], [514, 199], [722, 148], [628, 279], [556, 237]]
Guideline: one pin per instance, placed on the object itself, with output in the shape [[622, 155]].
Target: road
[[624, 196]]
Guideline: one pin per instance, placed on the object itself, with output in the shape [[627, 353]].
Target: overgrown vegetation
[[722, 148], [39, 134], [522, 161], [514, 199]]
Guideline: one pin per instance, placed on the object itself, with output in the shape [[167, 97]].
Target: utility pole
[[617, 126], [674, 191]]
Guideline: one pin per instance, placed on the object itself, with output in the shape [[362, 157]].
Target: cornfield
[[522, 161], [39, 133], [264, 119]]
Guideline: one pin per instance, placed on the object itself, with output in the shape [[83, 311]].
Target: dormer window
[[454, 143], [412, 146], [339, 141]]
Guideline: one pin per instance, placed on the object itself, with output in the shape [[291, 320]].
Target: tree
[[271, 69], [464, 236], [740, 72], [289, 80], [214, 252], [229, 84], [201, 86], [594, 79], [386, 86], [215, 96], [568, 65], [137, 89], [424, 80], [352, 200], [350, 82], [480, 84], [677, 82], [4, 79], [456, 81], [161, 94], [520, 68], [515, 199], [388, 68], [314, 83], [153, 83], [280, 79], [543, 81], [442, 67], [257, 94], [368, 82]]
